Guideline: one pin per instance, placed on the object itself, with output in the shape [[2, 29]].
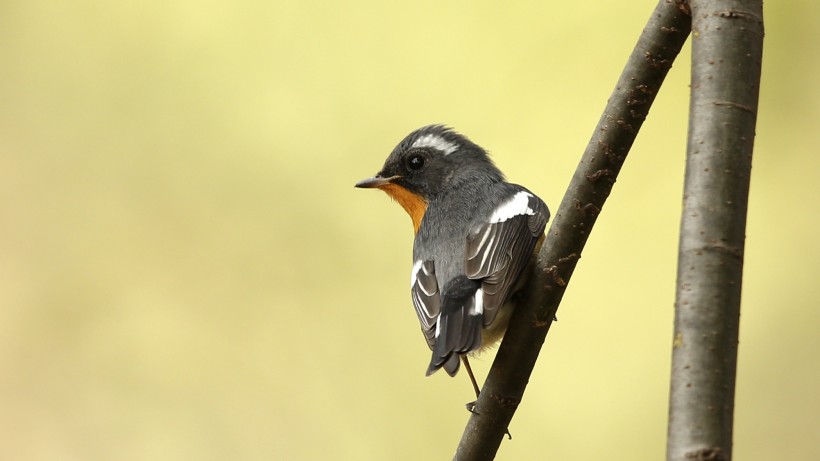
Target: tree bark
[[727, 48], [627, 108]]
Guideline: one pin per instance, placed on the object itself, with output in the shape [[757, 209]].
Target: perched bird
[[475, 235]]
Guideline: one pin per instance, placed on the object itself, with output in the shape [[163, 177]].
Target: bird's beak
[[375, 181]]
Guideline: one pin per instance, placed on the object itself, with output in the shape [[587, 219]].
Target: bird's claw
[[470, 406]]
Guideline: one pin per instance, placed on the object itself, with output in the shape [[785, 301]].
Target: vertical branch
[[626, 110], [727, 47]]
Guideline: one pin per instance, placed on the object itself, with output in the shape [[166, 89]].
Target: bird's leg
[[471, 406]]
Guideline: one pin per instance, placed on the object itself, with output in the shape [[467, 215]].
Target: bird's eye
[[415, 163]]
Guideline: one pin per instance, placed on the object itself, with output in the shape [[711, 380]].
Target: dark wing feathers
[[426, 299], [538, 221], [497, 252]]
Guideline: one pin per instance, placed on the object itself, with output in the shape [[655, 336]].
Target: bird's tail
[[458, 330]]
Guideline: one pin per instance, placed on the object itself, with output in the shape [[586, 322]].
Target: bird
[[475, 240]]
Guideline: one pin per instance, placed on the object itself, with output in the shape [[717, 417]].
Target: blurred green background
[[186, 271]]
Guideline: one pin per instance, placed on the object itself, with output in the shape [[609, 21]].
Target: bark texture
[[727, 46]]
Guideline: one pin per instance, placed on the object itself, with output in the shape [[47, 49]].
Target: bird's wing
[[458, 328], [499, 248], [426, 297], [450, 323]]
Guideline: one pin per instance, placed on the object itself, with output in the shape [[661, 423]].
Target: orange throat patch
[[413, 204]]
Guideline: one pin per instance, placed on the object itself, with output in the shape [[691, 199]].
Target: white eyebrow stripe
[[436, 142], [516, 206]]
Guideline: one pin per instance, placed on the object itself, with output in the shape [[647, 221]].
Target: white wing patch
[[422, 309], [489, 245], [414, 272], [436, 142], [479, 302], [518, 205]]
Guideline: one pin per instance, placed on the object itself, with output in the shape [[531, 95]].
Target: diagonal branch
[[727, 49], [625, 112]]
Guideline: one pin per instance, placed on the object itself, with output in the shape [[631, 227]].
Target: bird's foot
[[471, 407]]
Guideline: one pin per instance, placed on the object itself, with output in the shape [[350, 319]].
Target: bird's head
[[429, 161]]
